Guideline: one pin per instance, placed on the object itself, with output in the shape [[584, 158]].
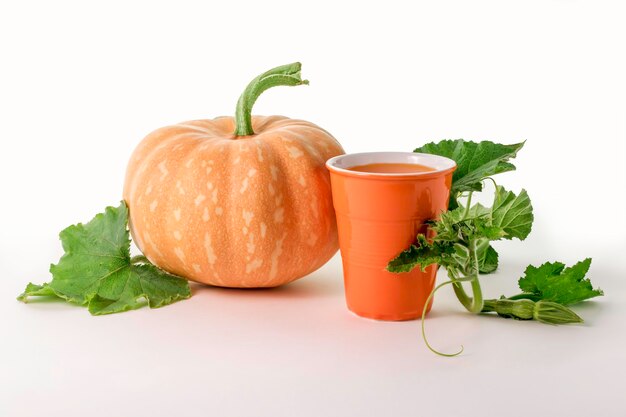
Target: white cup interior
[[345, 162]]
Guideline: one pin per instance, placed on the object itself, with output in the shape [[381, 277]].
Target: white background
[[82, 82]]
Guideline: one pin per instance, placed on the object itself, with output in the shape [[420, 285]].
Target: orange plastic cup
[[378, 216]]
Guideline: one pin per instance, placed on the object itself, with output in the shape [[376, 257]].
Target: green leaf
[[510, 216], [34, 289], [97, 271], [447, 227], [553, 282], [489, 263], [475, 162], [421, 254], [513, 213]]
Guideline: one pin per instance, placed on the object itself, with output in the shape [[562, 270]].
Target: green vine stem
[[459, 291], [288, 75], [472, 304], [477, 302], [519, 309], [428, 300], [468, 204]]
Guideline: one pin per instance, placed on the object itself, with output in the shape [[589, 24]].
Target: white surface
[[81, 83]]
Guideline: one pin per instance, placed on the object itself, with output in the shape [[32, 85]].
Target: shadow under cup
[[378, 216]]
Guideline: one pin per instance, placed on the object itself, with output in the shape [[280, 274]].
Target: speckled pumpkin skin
[[253, 211]]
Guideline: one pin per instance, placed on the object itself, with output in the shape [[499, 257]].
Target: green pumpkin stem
[[284, 75]]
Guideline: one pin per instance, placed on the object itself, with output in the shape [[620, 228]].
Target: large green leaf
[[512, 213], [475, 162], [489, 262], [96, 269], [553, 282]]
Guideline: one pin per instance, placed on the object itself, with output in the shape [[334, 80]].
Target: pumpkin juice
[[391, 168]]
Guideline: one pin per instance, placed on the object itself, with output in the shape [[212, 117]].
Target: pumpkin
[[235, 202]]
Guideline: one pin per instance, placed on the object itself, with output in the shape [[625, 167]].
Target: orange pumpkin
[[235, 202]]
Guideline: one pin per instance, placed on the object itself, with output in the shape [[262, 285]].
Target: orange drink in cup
[[382, 201]]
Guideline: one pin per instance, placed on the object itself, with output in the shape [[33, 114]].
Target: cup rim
[[441, 164]]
